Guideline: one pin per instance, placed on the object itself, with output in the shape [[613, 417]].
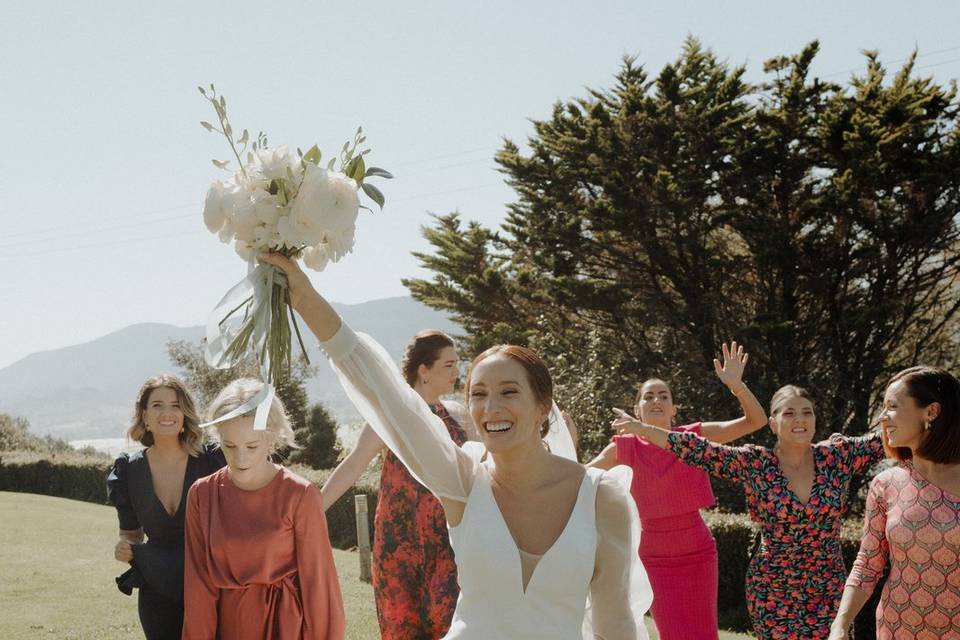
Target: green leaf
[[223, 103], [227, 130], [220, 164], [313, 155], [373, 193], [202, 92], [331, 163], [206, 125], [380, 173], [244, 137], [356, 169]]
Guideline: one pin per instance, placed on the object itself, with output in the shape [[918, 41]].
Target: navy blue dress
[[157, 567]]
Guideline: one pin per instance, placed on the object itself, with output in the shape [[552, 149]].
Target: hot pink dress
[[913, 527], [676, 547]]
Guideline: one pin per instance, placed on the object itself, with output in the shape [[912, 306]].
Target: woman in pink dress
[[912, 522], [676, 547], [258, 560]]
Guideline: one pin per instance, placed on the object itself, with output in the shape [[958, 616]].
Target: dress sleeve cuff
[[341, 344]]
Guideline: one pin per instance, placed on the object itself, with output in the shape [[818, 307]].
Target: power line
[[889, 62], [109, 243]]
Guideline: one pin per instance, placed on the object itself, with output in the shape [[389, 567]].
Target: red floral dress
[[414, 574], [796, 576]]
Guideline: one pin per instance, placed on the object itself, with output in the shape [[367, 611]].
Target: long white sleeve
[[620, 592], [400, 416]]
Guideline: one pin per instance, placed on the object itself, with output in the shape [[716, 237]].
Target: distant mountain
[[87, 390]]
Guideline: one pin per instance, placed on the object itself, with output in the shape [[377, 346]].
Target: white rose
[[273, 163], [326, 204], [213, 213], [245, 219]]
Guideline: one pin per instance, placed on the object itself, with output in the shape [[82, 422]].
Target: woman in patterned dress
[[912, 523], [676, 546], [414, 575], [797, 492]]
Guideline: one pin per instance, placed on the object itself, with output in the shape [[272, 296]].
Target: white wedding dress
[[588, 585]]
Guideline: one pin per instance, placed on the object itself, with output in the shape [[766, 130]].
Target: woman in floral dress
[[797, 492], [413, 571], [912, 524]]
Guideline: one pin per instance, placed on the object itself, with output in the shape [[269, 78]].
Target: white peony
[[316, 258], [327, 204], [245, 250], [227, 231], [340, 243], [213, 211]]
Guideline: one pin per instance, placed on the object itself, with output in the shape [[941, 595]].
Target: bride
[[545, 549]]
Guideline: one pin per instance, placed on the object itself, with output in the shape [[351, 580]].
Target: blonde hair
[[238, 392], [191, 437]]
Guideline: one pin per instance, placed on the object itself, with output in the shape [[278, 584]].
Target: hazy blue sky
[[104, 165]]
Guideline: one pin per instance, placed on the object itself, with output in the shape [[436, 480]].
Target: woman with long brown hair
[[911, 528], [414, 574], [149, 490]]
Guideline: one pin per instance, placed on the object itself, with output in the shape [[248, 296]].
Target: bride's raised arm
[[374, 384]]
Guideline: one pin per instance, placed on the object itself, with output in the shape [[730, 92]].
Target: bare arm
[[850, 605], [607, 458], [731, 375], [625, 423], [352, 467]]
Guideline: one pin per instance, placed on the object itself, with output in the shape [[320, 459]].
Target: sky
[[105, 166]]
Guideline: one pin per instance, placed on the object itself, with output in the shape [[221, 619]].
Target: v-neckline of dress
[[524, 589], [183, 487], [786, 480]]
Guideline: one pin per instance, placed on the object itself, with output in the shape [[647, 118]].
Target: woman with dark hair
[[797, 492], [677, 549], [414, 574], [544, 548], [149, 490], [912, 521]]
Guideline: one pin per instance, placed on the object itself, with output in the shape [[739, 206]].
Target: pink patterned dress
[[795, 578], [913, 527], [676, 547]]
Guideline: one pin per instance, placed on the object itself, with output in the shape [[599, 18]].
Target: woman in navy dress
[[149, 489]]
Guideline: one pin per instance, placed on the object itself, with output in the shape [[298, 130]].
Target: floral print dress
[[413, 570], [796, 576]]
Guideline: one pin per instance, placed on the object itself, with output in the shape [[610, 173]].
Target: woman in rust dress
[[414, 575], [258, 560]]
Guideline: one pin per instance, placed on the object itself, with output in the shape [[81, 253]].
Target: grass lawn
[[57, 570]]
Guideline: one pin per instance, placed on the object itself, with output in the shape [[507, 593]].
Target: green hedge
[[83, 478], [71, 475]]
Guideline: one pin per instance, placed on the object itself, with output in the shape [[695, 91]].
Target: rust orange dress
[[258, 563]]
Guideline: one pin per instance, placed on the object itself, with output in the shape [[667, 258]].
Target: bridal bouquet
[[277, 201]]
